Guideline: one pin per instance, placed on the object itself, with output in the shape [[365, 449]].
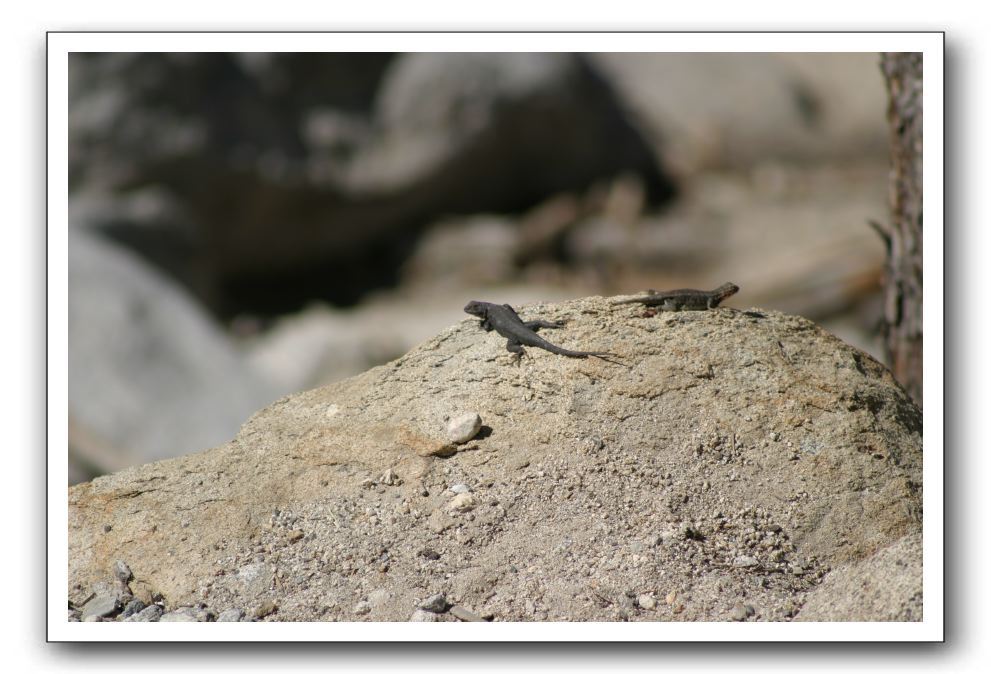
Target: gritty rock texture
[[727, 459], [885, 586]]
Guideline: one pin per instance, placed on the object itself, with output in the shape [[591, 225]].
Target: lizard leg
[[516, 349], [485, 325], [536, 325]]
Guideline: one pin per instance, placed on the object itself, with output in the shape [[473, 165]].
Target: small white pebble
[[463, 427]]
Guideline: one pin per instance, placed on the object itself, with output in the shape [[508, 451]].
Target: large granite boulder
[[724, 465]]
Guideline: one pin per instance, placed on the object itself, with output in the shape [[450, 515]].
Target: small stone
[[122, 571], [379, 597], [295, 535], [670, 598], [133, 606], [459, 488], [362, 608], [439, 521], [390, 478], [92, 619], [745, 561], [741, 611], [101, 605], [107, 528], [205, 615], [177, 617], [465, 615], [421, 616], [435, 603], [463, 427], [149, 614], [646, 601], [462, 503], [429, 554], [264, 609], [231, 615]]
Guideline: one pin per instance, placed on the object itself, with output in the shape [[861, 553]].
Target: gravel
[[463, 614], [151, 613], [132, 607], [231, 615], [101, 605], [421, 616], [436, 603]]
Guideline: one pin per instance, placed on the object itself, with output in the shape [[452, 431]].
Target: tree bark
[[902, 322]]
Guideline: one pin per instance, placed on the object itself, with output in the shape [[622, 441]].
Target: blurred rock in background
[[271, 188], [151, 375], [247, 225]]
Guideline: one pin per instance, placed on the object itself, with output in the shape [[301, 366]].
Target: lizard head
[[728, 289], [476, 308]]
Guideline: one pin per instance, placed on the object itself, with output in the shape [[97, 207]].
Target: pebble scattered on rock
[[205, 615], [459, 488], [745, 561], [177, 617], [646, 601], [435, 603], [741, 611], [133, 606], [390, 478], [122, 571], [264, 609], [379, 597], [362, 608], [149, 614], [462, 503], [463, 614], [421, 616], [231, 615], [101, 605], [439, 521], [463, 427]]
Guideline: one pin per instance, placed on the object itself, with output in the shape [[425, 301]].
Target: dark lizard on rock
[[684, 299], [519, 333]]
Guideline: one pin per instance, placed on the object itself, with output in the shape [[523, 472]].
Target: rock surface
[[718, 435]]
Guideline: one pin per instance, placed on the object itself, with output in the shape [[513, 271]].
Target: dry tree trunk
[[902, 323]]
